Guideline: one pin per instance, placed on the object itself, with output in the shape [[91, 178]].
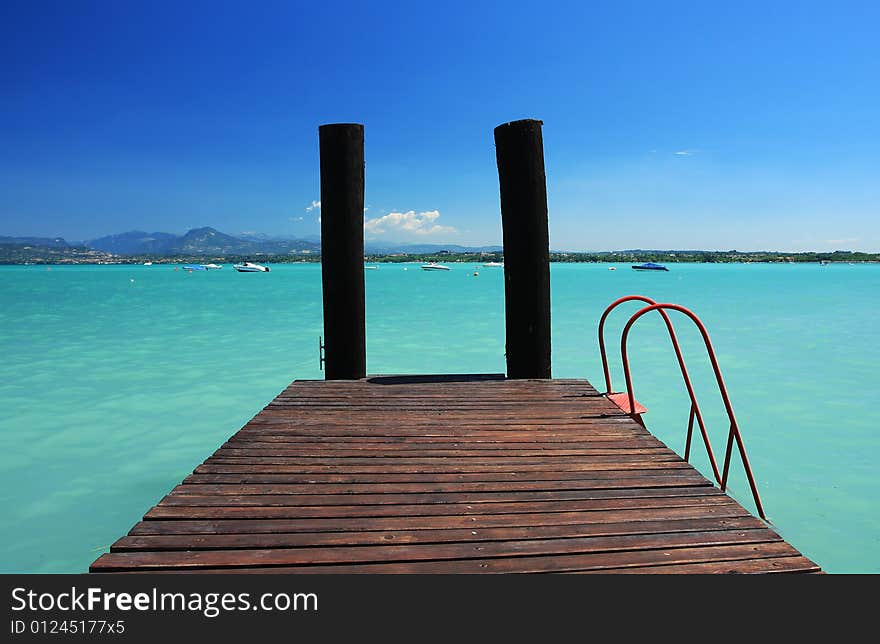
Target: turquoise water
[[116, 381]]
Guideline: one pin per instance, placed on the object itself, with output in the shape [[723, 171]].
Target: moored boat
[[650, 266], [250, 267], [434, 266]]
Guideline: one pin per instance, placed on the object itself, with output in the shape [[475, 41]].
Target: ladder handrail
[[734, 433], [610, 308], [695, 408]]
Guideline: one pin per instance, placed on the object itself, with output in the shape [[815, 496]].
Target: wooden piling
[[519, 149], [342, 250]]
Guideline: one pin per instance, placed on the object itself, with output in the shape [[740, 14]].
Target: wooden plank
[[430, 517], [610, 424], [452, 445], [473, 462], [433, 482], [599, 546], [279, 467], [484, 514], [629, 477], [407, 456], [384, 537], [404, 475], [463, 498], [604, 562], [797, 564], [500, 502], [410, 443]]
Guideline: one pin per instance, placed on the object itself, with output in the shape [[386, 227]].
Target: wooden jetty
[[448, 474]]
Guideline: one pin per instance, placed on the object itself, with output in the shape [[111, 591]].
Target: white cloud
[[684, 153], [315, 204], [410, 222], [296, 219]]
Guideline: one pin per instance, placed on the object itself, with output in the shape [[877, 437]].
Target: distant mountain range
[[198, 241], [131, 247], [209, 241], [43, 242]]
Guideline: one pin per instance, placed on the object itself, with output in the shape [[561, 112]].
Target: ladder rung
[[621, 399]]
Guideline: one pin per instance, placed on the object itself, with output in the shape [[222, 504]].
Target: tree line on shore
[[21, 254]]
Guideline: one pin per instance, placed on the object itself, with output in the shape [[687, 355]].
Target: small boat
[[212, 266], [612, 268], [250, 267], [371, 268], [649, 266], [494, 264], [148, 263], [194, 267], [434, 266]]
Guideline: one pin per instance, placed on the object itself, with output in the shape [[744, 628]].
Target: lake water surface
[[116, 381]]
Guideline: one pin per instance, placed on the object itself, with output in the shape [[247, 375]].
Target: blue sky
[[747, 125]]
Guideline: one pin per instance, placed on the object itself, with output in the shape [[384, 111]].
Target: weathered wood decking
[[448, 474]]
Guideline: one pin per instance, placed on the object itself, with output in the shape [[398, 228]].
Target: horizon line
[[472, 245]]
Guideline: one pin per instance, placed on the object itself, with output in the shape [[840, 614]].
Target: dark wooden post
[[342, 250], [519, 150]]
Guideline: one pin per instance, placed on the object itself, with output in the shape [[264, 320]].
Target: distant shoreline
[[207, 245], [690, 257]]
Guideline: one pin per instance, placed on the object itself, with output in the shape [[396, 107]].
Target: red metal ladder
[[625, 400]]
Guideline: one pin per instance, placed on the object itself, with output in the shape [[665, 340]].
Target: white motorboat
[[250, 267], [434, 266], [212, 266], [494, 264]]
